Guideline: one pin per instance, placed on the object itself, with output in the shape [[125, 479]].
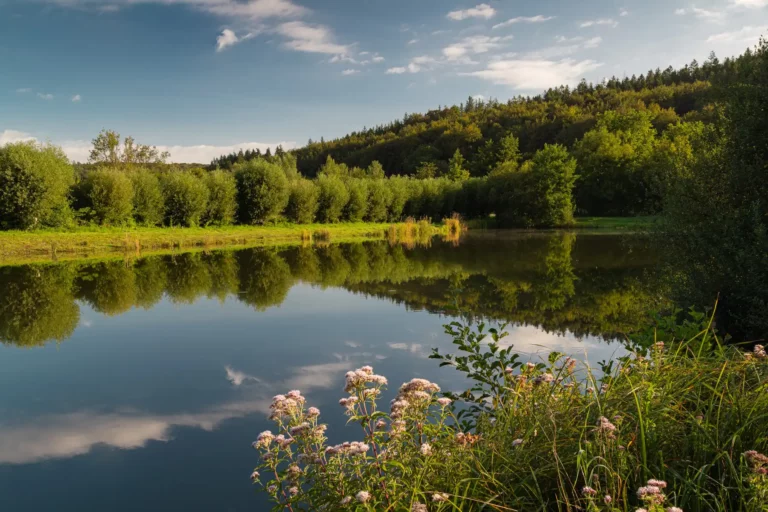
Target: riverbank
[[623, 224], [23, 246]]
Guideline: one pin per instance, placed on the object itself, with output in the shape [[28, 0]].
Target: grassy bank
[[16, 246], [615, 223]]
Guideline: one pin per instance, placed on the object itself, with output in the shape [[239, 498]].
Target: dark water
[[139, 384]]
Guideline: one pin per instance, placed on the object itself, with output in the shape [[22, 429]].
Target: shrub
[[110, 194], [357, 206], [34, 184], [262, 191], [333, 198], [148, 201], [398, 188], [379, 199], [222, 202], [303, 201], [186, 198]]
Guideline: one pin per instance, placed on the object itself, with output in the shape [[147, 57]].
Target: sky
[[201, 78]]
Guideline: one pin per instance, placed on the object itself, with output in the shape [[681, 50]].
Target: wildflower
[[419, 385], [363, 496], [444, 402], [588, 491], [607, 499], [379, 380], [419, 507], [255, 475], [604, 425], [426, 449], [296, 395], [346, 500], [272, 488], [659, 345], [381, 425], [313, 412], [661, 484], [439, 497], [590, 390], [293, 472], [517, 442], [371, 392], [530, 365], [293, 491], [267, 456], [508, 370], [299, 429], [673, 509], [397, 427], [640, 510], [367, 369], [650, 490], [759, 352], [264, 439]]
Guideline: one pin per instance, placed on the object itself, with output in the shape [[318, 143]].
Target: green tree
[[398, 188], [333, 169], [303, 201], [110, 193], [222, 198], [426, 170], [148, 201], [357, 205], [107, 150], [186, 198], [333, 198], [262, 191], [376, 171], [34, 185], [380, 198], [456, 170]]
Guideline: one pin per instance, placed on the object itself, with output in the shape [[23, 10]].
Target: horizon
[[203, 78]]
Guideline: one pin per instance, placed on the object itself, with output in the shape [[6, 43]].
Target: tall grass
[[675, 424]]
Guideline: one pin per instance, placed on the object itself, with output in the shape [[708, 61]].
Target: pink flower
[[363, 496], [426, 449], [313, 412], [444, 402], [439, 497]]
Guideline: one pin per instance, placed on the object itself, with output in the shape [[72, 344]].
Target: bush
[[34, 185], [379, 200], [262, 191], [333, 198], [222, 202], [690, 412], [148, 202], [110, 195], [357, 206], [186, 198], [398, 188], [303, 201]]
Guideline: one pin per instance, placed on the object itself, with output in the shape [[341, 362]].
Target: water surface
[[139, 384]]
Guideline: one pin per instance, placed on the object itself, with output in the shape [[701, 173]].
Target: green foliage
[[716, 217], [333, 169], [34, 184], [357, 205], [186, 198], [262, 190], [222, 198], [456, 170], [303, 201], [375, 171], [426, 170], [148, 201], [399, 190], [333, 198], [107, 151], [380, 198], [110, 194]]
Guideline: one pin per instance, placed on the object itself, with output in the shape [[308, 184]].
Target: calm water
[[140, 384]]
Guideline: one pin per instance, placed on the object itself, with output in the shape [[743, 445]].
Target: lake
[[139, 383]]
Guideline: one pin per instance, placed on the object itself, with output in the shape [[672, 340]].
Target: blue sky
[[202, 77]]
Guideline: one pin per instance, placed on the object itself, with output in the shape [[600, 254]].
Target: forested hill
[[561, 115]]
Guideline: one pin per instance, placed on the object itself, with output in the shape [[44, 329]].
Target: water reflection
[[562, 282]]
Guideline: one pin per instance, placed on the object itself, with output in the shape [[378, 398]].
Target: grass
[[615, 223], [19, 246]]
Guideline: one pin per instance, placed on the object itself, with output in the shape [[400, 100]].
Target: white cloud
[[348, 72], [229, 38], [238, 378], [242, 10], [601, 21], [24, 90], [413, 41], [524, 19], [744, 35], [310, 38], [378, 58], [623, 12], [750, 4], [532, 75], [396, 71], [702, 14], [11, 136], [77, 98], [563, 39], [473, 45], [45, 96], [479, 11], [552, 52]]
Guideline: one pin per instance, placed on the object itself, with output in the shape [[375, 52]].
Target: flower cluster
[[358, 378], [759, 352], [652, 493]]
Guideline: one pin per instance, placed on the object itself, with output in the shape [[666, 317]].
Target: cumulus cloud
[[348, 72], [750, 4], [45, 96], [412, 41], [473, 45], [77, 98], [529, 74], [11, 136], [310, 38], [524, 19], [623, 12], [252, 10], [23, 90], [479, 11], [744, 35], [601, 21], [228, 38], [378, 58], [396, 71], [702, 14]]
